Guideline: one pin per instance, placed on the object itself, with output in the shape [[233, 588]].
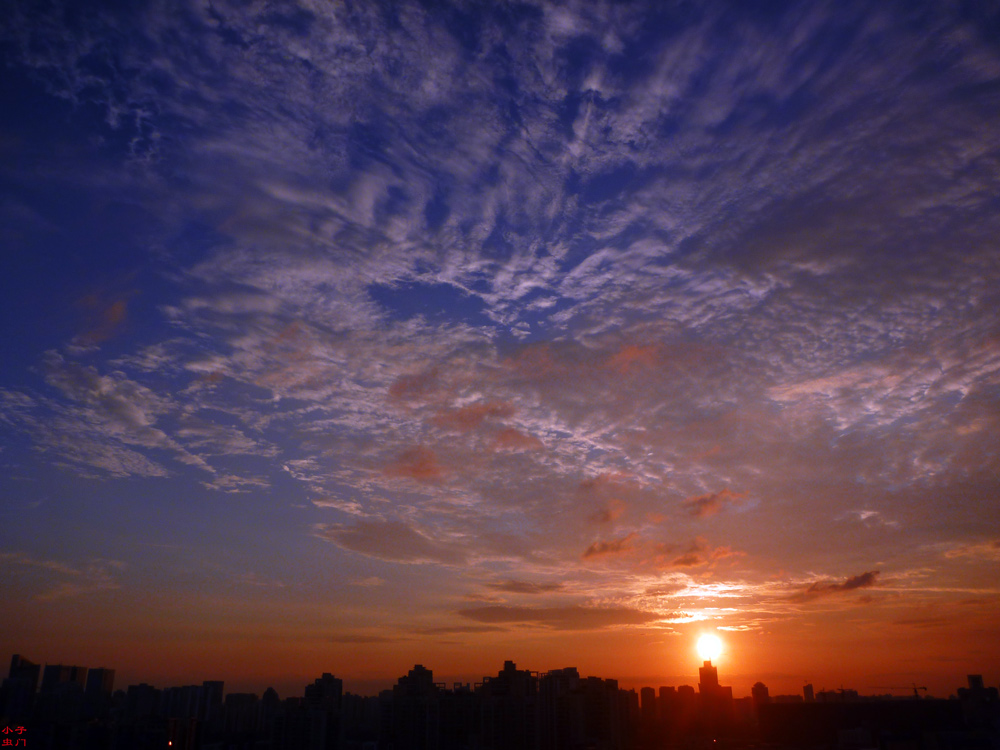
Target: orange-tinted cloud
[[391, 540], [697, 554], [418, 463], [601, 481], [610, 513], [534, 360], [819, 589], [361, 638], [103, 318], [470, 417], [508, 438], [525, 587], [612, 548], [411, 387], [460, 630], [703, 506], [989, 550], [562, 618], [631, 358]]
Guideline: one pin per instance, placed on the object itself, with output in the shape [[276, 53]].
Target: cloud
[[611, 548], [237, 484], [703, 506], [923, 622], [665, 589], [210, 438], [460, 630], [361, 638], [104, 318], [820, 589], [104, 422], [988, 550], [614, 510], [525, 587], [369, 582], [573, 617], [507, 438], [470, 417], [871, 519], [64, 581], [631, 357], [394, 541], [697, 554], [414, 386], [419, 463]]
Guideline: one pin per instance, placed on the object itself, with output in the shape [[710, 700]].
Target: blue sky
[[554, 331]]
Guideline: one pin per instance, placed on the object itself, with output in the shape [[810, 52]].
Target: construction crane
[[914, 687]]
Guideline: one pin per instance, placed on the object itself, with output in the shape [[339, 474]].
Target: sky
[[346, 336]]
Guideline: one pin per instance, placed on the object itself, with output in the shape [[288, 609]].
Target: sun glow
[[709, 647]]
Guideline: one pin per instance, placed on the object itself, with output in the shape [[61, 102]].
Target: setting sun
[[709, 647]]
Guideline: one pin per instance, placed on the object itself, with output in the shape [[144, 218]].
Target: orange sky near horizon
[[856, 655]]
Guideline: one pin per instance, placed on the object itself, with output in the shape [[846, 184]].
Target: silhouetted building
[[240, 711], [579, 712], [899, 723], [139, 721], [100, 681], [709, 682], [509, 709], [141, 701], [515, 709], [980, 705], [837, 696], [628, 707], [181, 734], [182, 702], [325, 691], [359, 721], [24, 669], [786, 699], [460, 717], [416, 711], [313, 721], [210, 701], [97, 693], [687, 709], [60, 701], [715, 702], [270, 704], [759, 694], [17, 694], [647, 703], [807, 693], [55, 676]]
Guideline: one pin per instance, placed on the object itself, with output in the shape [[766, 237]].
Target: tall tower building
[[709, 683], [715, 700]]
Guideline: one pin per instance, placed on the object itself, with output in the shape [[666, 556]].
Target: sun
[[709, 647]]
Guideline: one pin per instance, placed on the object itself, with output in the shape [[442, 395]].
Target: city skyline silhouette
[[64, 707]]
